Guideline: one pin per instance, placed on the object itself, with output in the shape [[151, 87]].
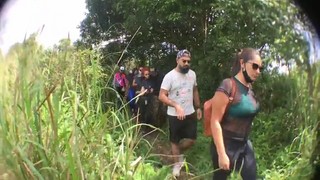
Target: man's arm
[[196, 98], [163, 97]]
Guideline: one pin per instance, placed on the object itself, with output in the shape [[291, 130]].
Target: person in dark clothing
[[231, 149], [157, 77], [145, 101], [159, 108], [137, 80], [136, 85], [130, 77], [131, 92]]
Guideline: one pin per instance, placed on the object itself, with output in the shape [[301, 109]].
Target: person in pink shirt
[[120, 82]]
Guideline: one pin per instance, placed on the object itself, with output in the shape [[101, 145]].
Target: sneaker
[[176, 169], [181, 159]]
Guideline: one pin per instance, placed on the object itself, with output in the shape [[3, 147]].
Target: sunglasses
[[185, 61], [256, 66], [146, 74]]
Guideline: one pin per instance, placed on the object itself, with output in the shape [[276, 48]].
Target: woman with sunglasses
[[230, 127]]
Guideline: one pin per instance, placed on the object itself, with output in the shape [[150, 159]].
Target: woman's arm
[[219, 104]]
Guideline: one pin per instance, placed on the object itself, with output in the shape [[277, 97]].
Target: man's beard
[[184, 70]]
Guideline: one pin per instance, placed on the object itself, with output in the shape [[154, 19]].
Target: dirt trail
[[162, 149]]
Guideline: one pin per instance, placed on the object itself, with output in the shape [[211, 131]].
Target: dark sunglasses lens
[[256, 66], [185, 61]]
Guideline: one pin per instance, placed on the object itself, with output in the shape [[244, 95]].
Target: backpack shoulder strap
[[233, 90]]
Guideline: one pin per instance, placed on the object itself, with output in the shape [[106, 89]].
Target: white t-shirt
[[180, 89]]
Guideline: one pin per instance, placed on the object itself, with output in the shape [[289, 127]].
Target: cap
[[121, 68], [182, 53]]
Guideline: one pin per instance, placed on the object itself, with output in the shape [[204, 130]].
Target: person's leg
[[174, 135], [149, 114], [119, 98], [218, 174], [155, 111], [186, 144], [142, 112], [162, 114], [189, 132], [130, 97], [249, 169], [175, 149], [149, 110], [136, 107]]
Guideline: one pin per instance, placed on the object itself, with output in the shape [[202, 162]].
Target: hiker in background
[[137, 80], [120, 83], [131, 91], [157, 77], [145, 101], [159, 108], [136, 84], [180, 93], [230, 148], [130, 77]]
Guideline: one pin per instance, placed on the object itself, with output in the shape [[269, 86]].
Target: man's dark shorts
[[180, 129]]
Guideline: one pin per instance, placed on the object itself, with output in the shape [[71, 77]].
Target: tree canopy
[[152, 31]]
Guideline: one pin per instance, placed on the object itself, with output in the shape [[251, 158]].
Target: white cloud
[[24, 17]]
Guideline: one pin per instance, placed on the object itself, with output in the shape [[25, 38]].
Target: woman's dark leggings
[[241, 158]]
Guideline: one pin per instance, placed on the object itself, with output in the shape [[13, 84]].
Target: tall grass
[[294, 160], [58, 119]]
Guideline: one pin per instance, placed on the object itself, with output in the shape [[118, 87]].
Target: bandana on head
[[182, 53]]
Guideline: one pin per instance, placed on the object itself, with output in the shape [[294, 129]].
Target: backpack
[[207, 109], [119, 80]]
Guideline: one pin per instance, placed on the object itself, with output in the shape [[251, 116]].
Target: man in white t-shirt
[[180, 93]]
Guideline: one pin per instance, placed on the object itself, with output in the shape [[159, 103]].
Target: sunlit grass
[[59, 119]]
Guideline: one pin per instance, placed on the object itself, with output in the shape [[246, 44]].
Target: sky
[[20, 18]]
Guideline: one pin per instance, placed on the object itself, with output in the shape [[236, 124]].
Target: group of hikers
[[140, 88], [234, 107]]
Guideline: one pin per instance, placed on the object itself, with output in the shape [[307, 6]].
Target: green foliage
[[54, 121], [58, 114], [269, 138], [287, 141], [211, 30], [147, 171], [276, 91], [198, 157]]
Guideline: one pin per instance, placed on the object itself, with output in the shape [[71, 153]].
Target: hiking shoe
[[181, 159], [176, 169]]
